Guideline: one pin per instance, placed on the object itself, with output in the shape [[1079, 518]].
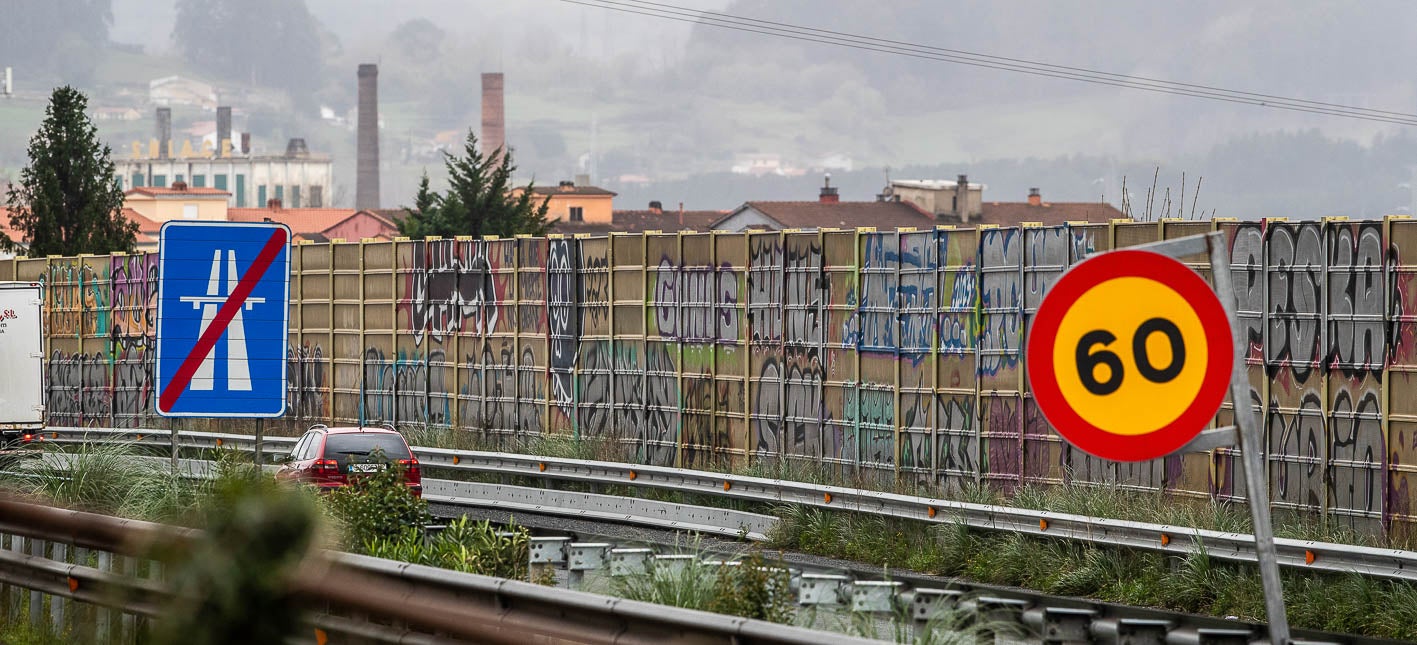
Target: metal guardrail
[[1179, 540], [394, 601]]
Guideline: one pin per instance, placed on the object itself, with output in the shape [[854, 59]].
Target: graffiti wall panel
[[493, 354], [311, 328], [628, 310], [133, 329], [765, 351], [701, 441], [563, 331], [1354, 355], [1401, 378], [839, 251], [1247, 259], [957, 459], [803, 344], [663, 347], [1294, 419], [533, 382], [730, 345], [593, 361], [341, 388], [1000, 353], [878, 342], [1047, 253], [917, 310]]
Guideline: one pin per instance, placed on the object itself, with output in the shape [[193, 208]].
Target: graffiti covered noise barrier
[[889, 355]]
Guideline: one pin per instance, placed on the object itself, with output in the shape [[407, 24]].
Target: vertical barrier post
[[1251, 447], [56, 603]]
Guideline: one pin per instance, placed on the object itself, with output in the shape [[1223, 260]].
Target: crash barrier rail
[[1239, 547], [97, 569]]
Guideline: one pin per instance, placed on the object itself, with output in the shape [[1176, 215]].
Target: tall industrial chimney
[[223, 128], [494, 123], [164, 133], [366, 178]]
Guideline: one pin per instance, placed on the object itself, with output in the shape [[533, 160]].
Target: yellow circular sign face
[[1138, 348], [1129, 355]]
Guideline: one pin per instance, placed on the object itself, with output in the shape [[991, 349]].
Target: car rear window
[[360, 445]]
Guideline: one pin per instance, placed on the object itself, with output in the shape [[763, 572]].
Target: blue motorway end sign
[[222, 314]]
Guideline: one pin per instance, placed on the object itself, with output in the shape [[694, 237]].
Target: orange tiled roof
[[147, 229], [152, 191], [1048, 213]]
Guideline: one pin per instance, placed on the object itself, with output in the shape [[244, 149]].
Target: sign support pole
[[1251, 447], [261, 455]]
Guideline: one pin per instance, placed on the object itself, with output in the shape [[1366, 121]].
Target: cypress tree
[[479, 200], [68, 200]]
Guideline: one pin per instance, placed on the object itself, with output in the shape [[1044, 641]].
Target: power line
[[868, 43]]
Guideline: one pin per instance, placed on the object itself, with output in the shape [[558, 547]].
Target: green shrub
[[753, 589], [465, 545], [376, 506]]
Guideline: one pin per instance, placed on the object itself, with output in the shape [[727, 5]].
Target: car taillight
[[324, 467], [411, 472], [29, 438]]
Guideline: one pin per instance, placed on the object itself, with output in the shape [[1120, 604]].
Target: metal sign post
[[1108, 395], [1251, 447]]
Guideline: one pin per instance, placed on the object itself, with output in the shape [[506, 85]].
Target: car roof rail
[[388, 425], [319, 426]]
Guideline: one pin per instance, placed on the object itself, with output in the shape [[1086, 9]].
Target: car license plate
[[365, 468]]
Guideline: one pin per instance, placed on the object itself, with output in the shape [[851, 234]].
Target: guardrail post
[[36, 597], [544, 554], [824, 589], [930, 604], [6, 591], [56, 603], [628, 562], [17, 594], [1060, 625], [127, 566], [992, 610], [81, 615], [875, 597], [103, 617], [588, 561]]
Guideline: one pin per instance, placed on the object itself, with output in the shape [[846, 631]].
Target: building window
[[159, 181], [577, 214], [219, 182], [199, 181], [280, 194], [189, 211], [295, 197], [177, 178], [240, 190], [261, 196], [316, 197], [137, 180]]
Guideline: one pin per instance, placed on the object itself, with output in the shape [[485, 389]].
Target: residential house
[[575, 201], [827, 212], [178, 202], [322, 224], [655, 218]]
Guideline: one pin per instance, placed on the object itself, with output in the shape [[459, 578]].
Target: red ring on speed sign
[[1110, 292]]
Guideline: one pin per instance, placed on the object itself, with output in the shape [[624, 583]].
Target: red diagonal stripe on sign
[[224, 316]]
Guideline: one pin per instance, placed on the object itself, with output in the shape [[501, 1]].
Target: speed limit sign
[[1130, 355]]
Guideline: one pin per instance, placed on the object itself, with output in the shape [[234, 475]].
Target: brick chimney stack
[[1034, 198], [366, 174], [962, 198], [656, 208], [828, 194], [223, 128], [164, 133], [494, 122]]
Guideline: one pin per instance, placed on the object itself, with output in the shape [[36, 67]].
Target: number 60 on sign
[[1129, 356]]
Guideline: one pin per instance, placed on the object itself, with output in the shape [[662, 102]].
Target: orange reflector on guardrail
[[456, 459], [543, 467], [1165, 539], [73, 584], [633, 475], [1043, 525], [321, 638], [930, 510], [827, 497], [54, 435], [1309, 557], [727, 485], [140, 437], [218, 443]]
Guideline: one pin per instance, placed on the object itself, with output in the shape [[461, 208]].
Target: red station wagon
[[326, 457]]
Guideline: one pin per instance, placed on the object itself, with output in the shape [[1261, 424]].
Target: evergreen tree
[[479, 200], [68, 200]]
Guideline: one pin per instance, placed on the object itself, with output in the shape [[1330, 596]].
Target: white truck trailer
[[21, 361]]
